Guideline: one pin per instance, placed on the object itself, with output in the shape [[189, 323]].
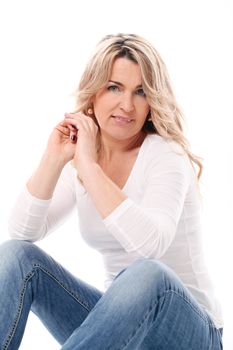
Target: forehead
[[126, 71]]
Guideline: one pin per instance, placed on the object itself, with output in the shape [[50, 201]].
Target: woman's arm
[[105, 194], [149, 227], [60, 150], [48, 197], [43, 182], [33, 218]]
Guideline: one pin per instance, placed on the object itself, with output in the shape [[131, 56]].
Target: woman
[[123, 160]]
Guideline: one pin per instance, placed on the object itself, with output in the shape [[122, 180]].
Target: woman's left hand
[[85, 132]]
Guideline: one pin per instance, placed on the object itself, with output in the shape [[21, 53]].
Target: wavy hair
[[165, 117]]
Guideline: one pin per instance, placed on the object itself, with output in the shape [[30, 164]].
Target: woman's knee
[[15, 252], [145, 274], [154, 276], [141, 284], [148, 269], [13, 247]]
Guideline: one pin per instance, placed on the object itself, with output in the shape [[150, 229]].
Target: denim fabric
[[145, 308]]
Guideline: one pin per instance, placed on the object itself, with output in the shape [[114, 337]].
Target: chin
[[121, 136]]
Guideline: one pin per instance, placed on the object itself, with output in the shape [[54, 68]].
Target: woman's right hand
[[60, 150], [62, 142]]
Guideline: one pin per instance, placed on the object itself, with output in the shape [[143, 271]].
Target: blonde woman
[[122, 159]]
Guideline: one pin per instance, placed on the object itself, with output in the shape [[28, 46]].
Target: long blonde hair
[[165, 117]]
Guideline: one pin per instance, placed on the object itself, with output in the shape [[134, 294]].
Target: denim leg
[[31, 279], [146, 308]]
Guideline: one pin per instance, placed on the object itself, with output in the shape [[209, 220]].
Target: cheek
[[144, 110], [104, 106], [142, 105], [101, 112]]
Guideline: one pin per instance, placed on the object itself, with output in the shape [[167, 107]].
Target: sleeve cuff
[[118, 211], [35, 200]]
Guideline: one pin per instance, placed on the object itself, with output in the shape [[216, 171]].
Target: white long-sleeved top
[[160, 218]]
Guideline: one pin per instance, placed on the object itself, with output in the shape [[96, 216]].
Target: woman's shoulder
[[164, 156], [157, 145]]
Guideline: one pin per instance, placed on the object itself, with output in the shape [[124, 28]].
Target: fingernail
[[73, 138]]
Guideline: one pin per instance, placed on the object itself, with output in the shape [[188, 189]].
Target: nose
[[127, 103]]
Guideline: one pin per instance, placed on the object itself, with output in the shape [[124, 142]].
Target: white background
[[44, 46]]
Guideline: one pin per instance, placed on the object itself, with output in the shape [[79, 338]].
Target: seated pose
[[121, 158]]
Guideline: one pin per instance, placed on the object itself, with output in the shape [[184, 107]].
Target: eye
[[113, 88], [140, 92]]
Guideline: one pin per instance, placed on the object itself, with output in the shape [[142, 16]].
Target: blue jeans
[[145, 308]]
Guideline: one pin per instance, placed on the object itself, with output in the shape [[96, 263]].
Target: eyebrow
[[118, 83]]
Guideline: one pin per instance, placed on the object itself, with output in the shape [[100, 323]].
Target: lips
[[122, 119]]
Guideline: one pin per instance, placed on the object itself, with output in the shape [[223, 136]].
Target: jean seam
[[151, 309], [19, 310], [22, 294], [205, 318], [70, 292]]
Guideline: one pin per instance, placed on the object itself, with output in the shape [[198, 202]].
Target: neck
[[110, 147]]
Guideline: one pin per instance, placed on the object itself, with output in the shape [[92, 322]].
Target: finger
[[61, 131], [70, 115], [71, 123], [73, 138], [70, 126], [67, 130], [73, 132], [73, 135], [79, 115], [79, 122]]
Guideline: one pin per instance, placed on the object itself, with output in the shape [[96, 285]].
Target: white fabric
[[160, 219]]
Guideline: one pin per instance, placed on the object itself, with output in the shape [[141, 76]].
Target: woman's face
[[121, 107]]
